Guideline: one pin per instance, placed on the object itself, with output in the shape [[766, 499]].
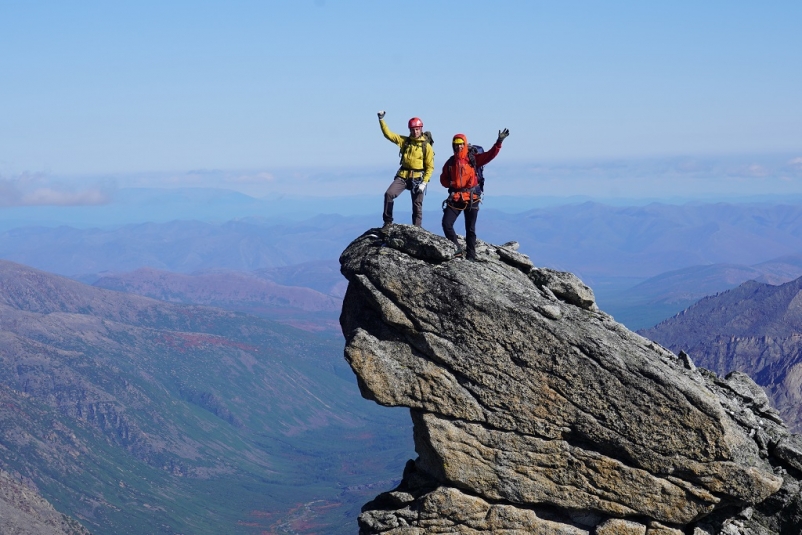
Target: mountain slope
[[755, 329], [139, 416]]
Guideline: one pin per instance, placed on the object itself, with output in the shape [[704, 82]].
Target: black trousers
[[450, 215]]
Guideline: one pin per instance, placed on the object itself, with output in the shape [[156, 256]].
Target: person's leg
[[470, 230], [398, 185], [449, 217], [417, 208]]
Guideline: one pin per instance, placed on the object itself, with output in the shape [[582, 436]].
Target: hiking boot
[[387, 224], [460, 252]]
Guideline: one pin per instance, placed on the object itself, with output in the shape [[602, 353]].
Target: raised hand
[[502, 135]]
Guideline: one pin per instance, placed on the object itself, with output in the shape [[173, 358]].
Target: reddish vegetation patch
[[183, 341], [304, 518]]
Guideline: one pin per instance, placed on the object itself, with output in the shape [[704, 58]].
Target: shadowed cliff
[[535, 411]]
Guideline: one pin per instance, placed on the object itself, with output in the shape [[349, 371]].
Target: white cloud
[[37, 190], [757, 170], [52, 197]]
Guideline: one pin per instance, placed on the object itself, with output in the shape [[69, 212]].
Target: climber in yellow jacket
[[417, 164]]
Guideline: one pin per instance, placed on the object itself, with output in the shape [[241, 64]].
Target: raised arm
[[486, 157], [389, 134]]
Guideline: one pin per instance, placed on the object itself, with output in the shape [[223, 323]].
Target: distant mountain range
[[300, 307], [657, 298], [755, 329], [134, 415], [645, 263], [321, 275], [129, 206], [308, 295], [179, 246], [596, 240], [590, 239]]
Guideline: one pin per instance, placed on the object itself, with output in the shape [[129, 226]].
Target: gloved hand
[[502, 135], [381, 115], [422, 187]]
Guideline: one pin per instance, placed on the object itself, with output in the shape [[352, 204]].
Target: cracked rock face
[[534, 411]]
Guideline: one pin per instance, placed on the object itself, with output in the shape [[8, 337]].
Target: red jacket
[[459, 176]]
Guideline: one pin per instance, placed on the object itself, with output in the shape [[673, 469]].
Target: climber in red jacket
[[465, 194]]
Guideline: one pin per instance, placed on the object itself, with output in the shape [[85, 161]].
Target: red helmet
[[415, 123]]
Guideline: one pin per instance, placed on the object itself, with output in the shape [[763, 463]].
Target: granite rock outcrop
[[535, 412]]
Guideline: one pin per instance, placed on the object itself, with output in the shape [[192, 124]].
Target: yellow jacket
[[417, 154]]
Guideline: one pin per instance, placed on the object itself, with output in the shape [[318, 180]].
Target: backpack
[[473, 150], [429, 141]]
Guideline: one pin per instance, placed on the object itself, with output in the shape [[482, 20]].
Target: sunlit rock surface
[[535, 412]]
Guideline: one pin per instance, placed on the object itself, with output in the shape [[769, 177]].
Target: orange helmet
[[415, 123]]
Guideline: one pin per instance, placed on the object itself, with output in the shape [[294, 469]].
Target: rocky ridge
[[535, 412], [23, 511]]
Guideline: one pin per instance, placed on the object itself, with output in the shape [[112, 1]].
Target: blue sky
[[271, 93]]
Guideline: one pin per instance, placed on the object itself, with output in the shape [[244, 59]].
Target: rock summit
[[535, 412]]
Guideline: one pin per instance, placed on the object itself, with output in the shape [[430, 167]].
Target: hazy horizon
[[352, 190]]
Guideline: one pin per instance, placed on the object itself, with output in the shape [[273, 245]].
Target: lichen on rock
[[533, 407]]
